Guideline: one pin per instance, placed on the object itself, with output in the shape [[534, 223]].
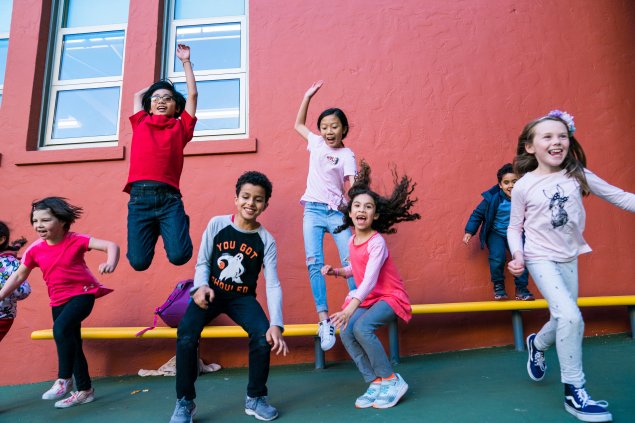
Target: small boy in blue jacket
[[492, 215]]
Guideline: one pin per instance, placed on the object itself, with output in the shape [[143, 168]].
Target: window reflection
[[4, 46], [96, 12], [86, 113], [219, 42], [203, 9], [218, 104], [93, 55]]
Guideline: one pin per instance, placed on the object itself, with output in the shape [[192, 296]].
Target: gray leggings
[[558, 283]]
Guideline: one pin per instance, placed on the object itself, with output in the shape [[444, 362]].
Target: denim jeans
[[319, 219], [498, 248], [67, 326], [363, 345], [248, 314], [153, 210], [558, 284]]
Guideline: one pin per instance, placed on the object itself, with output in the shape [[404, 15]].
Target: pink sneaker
[[77, 398], [60, 388]]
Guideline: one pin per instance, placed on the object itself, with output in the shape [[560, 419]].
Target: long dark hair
[[391, 210], [60, 208], [574, 163], [10, 245]]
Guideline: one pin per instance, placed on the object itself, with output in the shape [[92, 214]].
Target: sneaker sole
[[531, 376], [587, 417], [400, 394], [77, 403], [368, 405], [251, 412]]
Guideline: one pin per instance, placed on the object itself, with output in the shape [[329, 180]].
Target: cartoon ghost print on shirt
[[557, 200], [231, 266]]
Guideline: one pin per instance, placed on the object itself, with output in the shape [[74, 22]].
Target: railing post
[[319, 354], [393, 341], [519, 335]]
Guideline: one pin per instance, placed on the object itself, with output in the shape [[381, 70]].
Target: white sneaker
[[60, 388], [77, 398], [391, 392], [369, 397], [326, 332]]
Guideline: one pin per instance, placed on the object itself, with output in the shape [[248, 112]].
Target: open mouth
[[556, 151]]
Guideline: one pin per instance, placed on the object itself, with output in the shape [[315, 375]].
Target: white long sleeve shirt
[[549, 209]]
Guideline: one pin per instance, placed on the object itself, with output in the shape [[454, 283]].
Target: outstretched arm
[[300, 120], [183, 53], [14, 281], [112, 251]]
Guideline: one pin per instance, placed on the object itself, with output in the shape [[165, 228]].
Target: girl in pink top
[[331, 168], [380, 296], [547, 208], [71, 286]]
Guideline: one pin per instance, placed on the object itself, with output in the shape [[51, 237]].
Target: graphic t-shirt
[[230, 259]]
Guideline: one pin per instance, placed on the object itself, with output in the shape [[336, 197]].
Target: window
[[6, 7], [86, 72], [216, 31]]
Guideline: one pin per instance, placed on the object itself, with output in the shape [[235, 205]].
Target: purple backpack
[[173, 309]]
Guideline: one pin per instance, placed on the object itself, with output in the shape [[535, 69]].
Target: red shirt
[[157, 147], [64, 269]]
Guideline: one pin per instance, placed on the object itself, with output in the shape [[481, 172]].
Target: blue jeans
[[363, 345], [153, 210], [498, 248], [319, 219], [246, 312]]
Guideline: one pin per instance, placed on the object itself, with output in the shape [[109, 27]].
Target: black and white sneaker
[[536, 366]]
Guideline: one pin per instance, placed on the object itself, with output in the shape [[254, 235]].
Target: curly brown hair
[[391, 210]]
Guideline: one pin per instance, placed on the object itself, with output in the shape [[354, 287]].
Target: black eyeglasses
[[166, 98]]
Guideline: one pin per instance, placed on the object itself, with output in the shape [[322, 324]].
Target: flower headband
[[565, 117]]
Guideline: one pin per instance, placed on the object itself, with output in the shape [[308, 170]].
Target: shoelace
[[585, 398], [539, 359]]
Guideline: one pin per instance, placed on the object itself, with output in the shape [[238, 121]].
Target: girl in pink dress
[[380, 295]]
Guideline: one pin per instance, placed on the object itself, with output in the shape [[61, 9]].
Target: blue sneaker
[[260, 408], [368, 399], [536, 365], [184, 411], [579, 403]]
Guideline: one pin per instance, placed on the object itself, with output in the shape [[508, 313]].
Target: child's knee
[[181, 258], [186, 341], [139, 263]]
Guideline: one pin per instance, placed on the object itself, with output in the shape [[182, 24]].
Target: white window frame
[[3, 36], [56, 85], [240, 73]]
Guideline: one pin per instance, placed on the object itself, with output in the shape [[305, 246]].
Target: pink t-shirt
[[64, 269], [372, 265], [156, 152], [328, 169], [549, 210]]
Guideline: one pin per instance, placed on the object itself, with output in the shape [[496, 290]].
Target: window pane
[[5, 15], [96, 12], [92, 55], [201, 9], [0, 99], [4, 46], [218, 104], [86, 113], [214, 46]]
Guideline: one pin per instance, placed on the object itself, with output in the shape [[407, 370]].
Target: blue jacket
[[485, 213]]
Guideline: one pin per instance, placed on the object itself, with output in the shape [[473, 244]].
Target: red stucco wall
[[439, 88]]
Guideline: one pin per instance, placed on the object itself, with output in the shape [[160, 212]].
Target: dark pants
[[67, 323], [498, 249], [153, 210], [246, 312]]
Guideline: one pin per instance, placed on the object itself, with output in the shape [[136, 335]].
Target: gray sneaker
[[184, 411], [260, 408]]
